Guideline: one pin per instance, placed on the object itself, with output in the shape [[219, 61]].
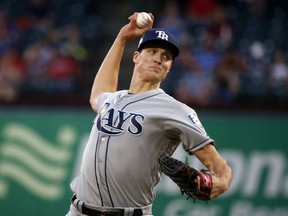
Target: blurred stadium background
[[233, 70]]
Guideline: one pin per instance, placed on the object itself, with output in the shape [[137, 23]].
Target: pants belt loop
[[128, 211], [78, 204]]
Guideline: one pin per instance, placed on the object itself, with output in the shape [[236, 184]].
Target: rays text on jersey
[[116, 122]]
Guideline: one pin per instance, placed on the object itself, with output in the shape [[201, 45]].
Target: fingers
[[152, 17], [131, 30], [133, 19]]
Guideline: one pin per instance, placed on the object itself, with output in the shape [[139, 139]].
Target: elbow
[[93, 103], [230, 177], [225, 187], [221, 184], [227, 180]]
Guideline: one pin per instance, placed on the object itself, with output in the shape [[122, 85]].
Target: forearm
[[220, 171], [221, 176]]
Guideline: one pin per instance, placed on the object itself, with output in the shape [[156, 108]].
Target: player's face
[[153, 63]]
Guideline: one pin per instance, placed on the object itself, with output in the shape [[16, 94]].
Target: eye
[[167, 56]]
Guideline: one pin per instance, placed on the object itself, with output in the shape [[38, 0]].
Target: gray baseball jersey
[[120, 162]]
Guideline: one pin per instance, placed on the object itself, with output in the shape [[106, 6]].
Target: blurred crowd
[[231, 51], [228, 51], [43, 47]]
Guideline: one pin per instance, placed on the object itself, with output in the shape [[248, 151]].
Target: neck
[[140, 87], [140, 84]]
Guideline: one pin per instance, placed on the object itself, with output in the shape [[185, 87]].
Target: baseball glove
[[196, 184]]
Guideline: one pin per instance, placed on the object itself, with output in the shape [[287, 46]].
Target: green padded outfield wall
[[40, 152]]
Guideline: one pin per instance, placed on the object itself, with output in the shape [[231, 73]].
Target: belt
[[105, 212]]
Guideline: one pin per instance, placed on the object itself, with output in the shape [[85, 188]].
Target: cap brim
[[174, 49]]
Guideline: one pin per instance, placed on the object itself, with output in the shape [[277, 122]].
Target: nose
[[157, 62], [157, 59]]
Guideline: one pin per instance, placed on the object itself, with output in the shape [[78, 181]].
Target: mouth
[[155, 68]]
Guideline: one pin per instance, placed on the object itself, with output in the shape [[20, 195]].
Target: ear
[[136, 57], [170, 67]]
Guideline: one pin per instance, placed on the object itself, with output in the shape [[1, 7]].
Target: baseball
[[143, 19]]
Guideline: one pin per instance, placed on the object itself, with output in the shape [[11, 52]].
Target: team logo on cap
[[162, 35]]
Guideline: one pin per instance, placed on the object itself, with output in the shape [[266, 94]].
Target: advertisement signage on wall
[[40, 153], [37, 160]]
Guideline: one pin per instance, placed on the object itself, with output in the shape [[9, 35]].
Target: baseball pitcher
[[136, 131]]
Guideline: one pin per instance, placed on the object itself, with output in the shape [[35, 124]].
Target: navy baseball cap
[[161, 36]]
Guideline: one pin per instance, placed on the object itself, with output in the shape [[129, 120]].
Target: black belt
[[113, 212]]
